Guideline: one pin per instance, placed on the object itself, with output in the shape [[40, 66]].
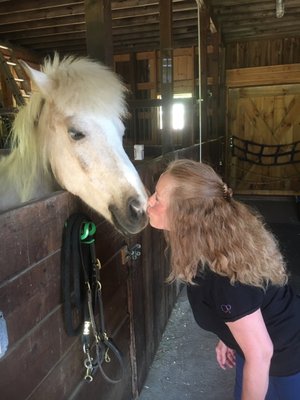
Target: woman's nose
[[151, 201]]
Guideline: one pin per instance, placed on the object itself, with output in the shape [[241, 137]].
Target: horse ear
[[40, 79]]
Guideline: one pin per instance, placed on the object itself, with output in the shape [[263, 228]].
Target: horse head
[[80, 129]]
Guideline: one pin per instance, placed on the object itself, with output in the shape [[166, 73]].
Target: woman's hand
[[225, 355]]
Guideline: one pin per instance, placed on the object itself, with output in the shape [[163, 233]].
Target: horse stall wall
[[263, 122], [262, 79], [41, 360]]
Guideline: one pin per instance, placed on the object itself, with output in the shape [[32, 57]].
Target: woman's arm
[[251, 334]]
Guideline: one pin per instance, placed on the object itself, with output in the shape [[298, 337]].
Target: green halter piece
[[88, 230]]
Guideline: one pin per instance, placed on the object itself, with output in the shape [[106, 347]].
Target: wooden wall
[[6, 96], [140, 72], [260, 116], [42, 361], [260, 53], [262, 80], [213, 93]]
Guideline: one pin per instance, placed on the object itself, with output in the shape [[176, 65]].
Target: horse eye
[[75, 134]]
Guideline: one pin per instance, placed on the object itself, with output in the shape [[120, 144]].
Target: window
[[178, 112]]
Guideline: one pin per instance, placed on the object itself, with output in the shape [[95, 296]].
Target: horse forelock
[[82, 84]]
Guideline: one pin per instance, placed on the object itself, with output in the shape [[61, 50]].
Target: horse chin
[[128, 224]]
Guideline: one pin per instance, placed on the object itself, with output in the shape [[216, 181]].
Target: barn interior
[[213, 80]]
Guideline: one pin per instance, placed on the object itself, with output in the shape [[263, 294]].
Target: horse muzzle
[[130, 218]]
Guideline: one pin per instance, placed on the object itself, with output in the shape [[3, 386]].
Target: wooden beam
[[99, 30], [166, 72], [9, 7], [248, 7], [42, 14], [248, 36], [151, 9], [258, 76], [31, 26], [256, 16], [63, 37], [256, 24], [47, 32]]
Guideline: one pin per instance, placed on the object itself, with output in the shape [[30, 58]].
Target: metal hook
[[88, 363], [88, 377], [98, 264], [106, 356]]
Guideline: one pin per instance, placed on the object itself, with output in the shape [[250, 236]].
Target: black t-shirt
[[215, 301]]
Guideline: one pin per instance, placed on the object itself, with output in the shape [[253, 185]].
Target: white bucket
[[138, 151]]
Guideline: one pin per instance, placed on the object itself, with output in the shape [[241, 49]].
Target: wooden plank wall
[[260, 78], [146, 85], [146, 81], [266, 115], [41, 357], [263, 76], [42, 361], [6, 96], [152, 301], [260, 53], [261, 107]]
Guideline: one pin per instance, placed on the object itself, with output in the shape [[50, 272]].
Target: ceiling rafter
[[46, 25]]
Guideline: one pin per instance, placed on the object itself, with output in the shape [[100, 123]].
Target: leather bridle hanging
[[82, 297]]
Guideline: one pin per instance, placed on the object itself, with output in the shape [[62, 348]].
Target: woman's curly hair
[[208, 228]]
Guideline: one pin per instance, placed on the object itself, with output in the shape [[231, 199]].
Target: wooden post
[[133, 74], [7, 98], [166, 72], [98, 18], [204, 18]]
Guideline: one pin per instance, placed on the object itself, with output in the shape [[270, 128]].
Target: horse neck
[[29, 172], [18, 184]]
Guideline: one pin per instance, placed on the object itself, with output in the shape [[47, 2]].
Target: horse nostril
[[135, 209]]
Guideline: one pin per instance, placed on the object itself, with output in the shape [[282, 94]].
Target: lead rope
[[82, 295]]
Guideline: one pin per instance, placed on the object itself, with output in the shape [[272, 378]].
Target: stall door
[[264, 136]]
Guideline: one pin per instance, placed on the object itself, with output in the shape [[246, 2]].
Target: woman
[[236, 279]]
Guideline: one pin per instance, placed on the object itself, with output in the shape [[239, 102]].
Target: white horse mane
[[85, 75]]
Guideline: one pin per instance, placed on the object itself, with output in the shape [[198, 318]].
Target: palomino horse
[[69, 136]]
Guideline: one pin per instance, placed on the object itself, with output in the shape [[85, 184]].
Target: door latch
[[131, 253]]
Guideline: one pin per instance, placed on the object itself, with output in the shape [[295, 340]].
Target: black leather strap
[[82, 296]]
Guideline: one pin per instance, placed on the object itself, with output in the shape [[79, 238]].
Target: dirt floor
[[185, 367]]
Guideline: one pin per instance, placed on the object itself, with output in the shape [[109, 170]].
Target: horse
[[69, 136]]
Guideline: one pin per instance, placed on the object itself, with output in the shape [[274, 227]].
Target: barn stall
[[136, 300], [249, 72]]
